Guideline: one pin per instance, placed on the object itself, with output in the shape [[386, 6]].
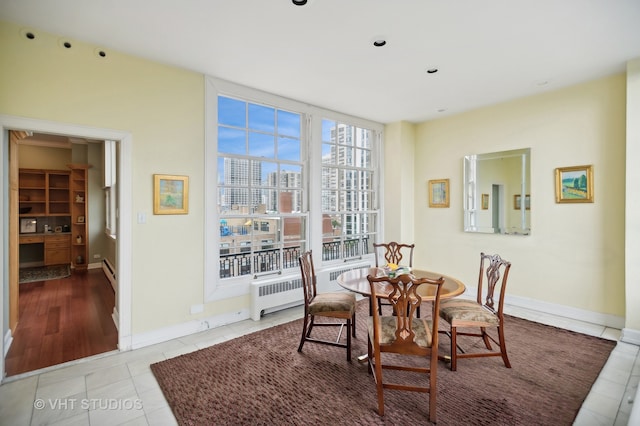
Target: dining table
[[355, 280]]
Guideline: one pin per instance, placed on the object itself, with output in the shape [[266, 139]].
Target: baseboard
[[630, 336], [8, 339], [605, 320], [186, 328]]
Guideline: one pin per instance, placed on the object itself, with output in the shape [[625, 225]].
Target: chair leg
[[454, 349], [379, 387], [349, 326], [485, 337], [503, 347], [433, 387], [304, 332], [353, 324]]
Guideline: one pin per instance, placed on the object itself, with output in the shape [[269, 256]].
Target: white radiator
[[275, 294], [280, 293]]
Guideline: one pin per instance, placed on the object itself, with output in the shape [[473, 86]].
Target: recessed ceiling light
[[432, 70], [442, 109], [30, 35], [379, 43], [299, 2]]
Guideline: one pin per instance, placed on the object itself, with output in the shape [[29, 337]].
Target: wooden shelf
[[78, 201], [43, 193]]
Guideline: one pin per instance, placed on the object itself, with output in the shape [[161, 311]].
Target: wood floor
[[62, 320]]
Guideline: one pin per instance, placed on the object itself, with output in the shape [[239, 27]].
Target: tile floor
[[119, 388]]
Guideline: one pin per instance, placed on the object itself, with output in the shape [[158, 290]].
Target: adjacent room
[[183, 184]]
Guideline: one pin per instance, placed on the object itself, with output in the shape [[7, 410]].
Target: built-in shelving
[[79, 202], [43, 192]]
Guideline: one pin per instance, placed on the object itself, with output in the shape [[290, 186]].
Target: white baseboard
[[605, 320], [630, 336], [186, 328]]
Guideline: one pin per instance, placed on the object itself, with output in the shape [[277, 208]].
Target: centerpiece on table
[[393, 270]]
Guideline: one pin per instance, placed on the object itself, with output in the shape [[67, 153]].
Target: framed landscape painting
[[439, 193], [574, 184], [170, 194]]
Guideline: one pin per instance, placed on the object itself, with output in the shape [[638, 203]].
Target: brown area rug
[[261, 379], [43, 273]]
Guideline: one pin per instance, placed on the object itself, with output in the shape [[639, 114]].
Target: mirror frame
[[472, 198]]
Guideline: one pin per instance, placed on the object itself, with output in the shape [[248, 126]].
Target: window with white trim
[[284, 177]]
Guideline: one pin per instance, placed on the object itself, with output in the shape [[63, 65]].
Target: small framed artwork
[[439, 193], [485, 201], [28, 225], [574, 184], [80, 219], [517, 202], [170, 194]]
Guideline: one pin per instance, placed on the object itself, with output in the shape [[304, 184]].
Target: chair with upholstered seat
[[480, 314], [404, 342], [335, 305], [396, 253]]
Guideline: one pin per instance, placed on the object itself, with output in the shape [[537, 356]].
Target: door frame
[[9, 228]]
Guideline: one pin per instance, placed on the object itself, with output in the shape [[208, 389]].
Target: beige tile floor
[[119, 388]]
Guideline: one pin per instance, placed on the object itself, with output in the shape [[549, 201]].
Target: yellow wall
[[163, 108], [575, 254], [574, 257]]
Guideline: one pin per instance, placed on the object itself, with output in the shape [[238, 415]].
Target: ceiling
[[323, 54]]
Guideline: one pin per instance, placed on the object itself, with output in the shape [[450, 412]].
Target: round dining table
[[356, 280]]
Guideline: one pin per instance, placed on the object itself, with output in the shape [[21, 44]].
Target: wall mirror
[[497, 196]]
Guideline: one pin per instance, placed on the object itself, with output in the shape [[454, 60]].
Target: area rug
[[261, 379], [44, 273]]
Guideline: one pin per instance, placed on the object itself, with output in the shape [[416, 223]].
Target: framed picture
[[439, 193], [485, 201], [517, 201], [170, 194], [28, 225], [80, 219], [574, 184]]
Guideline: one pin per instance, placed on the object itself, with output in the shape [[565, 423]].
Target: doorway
[[9, 229]]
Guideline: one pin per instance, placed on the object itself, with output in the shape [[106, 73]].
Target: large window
[[284, 177], [260, 169]]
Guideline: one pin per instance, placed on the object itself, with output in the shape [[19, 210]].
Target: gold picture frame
[[485, 201], [574, 184], [517, 199], [439, 193], [170, 194]]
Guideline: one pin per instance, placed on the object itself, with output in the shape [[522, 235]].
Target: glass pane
[[291, 176], [366, 178], [268, 173], [261, 145], [363, 158], [290, 201], [328, 127], [363, 138], [262, 118], [329, 201], [288, 149], [366, 200], [231, 112], [328, 156], [233, 199], [349, 179], [329, 178], [288, 123], [231, 141]]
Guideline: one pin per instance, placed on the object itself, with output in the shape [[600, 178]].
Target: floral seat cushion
[[388, 325], [461, 313], [333, 302]]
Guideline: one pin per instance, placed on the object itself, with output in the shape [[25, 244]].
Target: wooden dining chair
[[475, 317], [404, 342], [334, 305], [393, 252]]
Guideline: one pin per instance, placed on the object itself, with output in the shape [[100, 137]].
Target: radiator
[[272, 295], [276, 294], [109, 272]]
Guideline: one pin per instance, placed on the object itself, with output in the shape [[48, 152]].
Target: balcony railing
[[238, 264]]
